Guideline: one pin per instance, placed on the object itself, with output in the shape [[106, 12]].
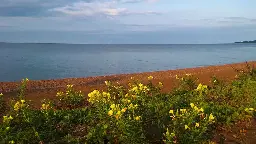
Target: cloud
[[98, 8], [137, 1], [90, 9], [229, 21], [71, 7]]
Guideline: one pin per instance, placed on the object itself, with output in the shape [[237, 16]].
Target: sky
[[127, 21]]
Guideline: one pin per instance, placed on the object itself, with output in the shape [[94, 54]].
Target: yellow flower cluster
[[184, 113], [7, 119], [139, 88], [201, 87], [160, 84], [132, 106], [59, 94], [108, 83], [249, 109], [25, 80], [137, 118], [196, 108], [19, 105], [96, 96], [70, 86], [116, 111], [169, 136], [150, 77], [211, 117], [69, 89], [188, 74], [45, 106]]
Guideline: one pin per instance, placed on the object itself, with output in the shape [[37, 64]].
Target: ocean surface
[[53, 61]]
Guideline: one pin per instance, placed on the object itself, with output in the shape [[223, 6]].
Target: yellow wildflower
[[171, 111], [201, 110], [201, 87], [196, 108], [106, 95], [17, 106], [11, 142], [45, 106], [215, 81], [186, 127], [10, 118], [183, 110], [197, 125], [177, 77], [128, 101], [137, 118], [1, 94], [150, 77], [59, 94], [69, 86], [110, 113], [211, 117], [160, 84], [22, 101], [118, 113], [7, 119], [251, 109], [135, 89], [94, 96], [112, 106], [192, 105], [107, 83], [130, 106], [188, 74], [124, 110]]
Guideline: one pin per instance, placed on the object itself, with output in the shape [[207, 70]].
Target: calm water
[[51, 61]]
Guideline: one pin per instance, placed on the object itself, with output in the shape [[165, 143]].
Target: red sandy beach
[[41, 89]]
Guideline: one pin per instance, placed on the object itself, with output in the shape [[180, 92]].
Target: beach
[[46, 89]]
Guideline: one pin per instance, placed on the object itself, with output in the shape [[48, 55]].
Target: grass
[[133, 113]]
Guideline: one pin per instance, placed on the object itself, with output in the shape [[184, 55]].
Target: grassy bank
[[133, 113]]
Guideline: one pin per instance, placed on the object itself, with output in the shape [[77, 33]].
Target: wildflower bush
[[136, 113]]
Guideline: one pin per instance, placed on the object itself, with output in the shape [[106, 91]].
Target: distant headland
[[254, 41]]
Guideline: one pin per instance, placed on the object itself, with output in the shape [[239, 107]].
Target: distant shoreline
[[111, 44], [254, 41]]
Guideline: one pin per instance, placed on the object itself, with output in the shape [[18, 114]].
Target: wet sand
[[41, 89]]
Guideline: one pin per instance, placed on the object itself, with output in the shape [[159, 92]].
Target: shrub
[[137, 113]]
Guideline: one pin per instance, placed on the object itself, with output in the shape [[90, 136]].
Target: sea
[[55, 61]]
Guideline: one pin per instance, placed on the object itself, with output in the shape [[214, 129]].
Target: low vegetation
[[136, 113]]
